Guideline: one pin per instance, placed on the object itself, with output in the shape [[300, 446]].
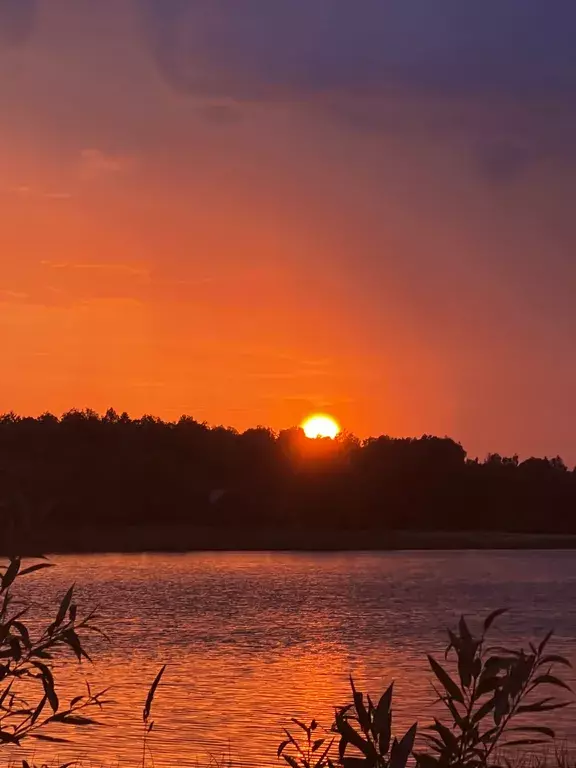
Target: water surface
[[253, 639]]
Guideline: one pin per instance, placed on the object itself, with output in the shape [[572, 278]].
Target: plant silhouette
[[487, 700], [30, 706], [496, 687]]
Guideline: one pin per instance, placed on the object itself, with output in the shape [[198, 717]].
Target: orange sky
[[248, 259]]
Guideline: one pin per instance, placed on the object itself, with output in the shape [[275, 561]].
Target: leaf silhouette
[[151, 692], [450, 686], [492, 618], [550, 680], [401, 751]]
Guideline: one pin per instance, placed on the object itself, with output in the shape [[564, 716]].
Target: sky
[[250, 211]]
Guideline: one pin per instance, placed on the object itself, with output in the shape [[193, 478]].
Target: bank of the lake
[[186, 538]]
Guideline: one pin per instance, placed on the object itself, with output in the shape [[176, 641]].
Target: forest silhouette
[[109, 471]]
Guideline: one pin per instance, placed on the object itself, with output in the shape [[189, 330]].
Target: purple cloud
[[501, 76], [256, 49], [16, 21]]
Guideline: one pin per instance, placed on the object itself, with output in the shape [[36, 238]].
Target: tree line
[[83, 468]]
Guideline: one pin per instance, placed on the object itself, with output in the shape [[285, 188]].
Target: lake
[[253, 639]]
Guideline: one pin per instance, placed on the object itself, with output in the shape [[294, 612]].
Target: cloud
[[126, 269], [146, 384], [223, 114], [505, 160], [22, 191], [496, 80], [259, 49], [96, 164], [59, 195], [10, 295], [25, 192], [17, 19]]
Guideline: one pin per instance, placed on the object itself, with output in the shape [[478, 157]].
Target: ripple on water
[[253, 639]]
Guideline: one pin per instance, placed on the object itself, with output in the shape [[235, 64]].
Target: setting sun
[[320, 425]]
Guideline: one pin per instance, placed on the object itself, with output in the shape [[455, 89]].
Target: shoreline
[[186, 538]]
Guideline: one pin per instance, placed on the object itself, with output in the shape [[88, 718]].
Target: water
[[253, 639]]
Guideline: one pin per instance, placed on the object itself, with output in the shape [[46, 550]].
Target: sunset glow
[[320, 425], [216, 234], [287, 330]]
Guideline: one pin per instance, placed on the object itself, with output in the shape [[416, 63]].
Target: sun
[[320, 425]]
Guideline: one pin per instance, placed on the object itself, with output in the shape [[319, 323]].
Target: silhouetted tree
[[114, 470]]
